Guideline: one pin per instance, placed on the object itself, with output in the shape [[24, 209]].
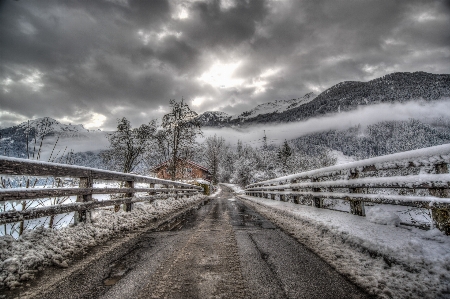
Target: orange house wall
[[196, 173]]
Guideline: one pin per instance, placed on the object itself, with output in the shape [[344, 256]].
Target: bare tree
[[214, 154], [180, 127], [128, 146]]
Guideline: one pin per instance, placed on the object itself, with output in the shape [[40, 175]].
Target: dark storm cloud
[[211, 26], [96, 61]]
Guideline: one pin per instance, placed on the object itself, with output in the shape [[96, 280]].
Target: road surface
[[222, 250]]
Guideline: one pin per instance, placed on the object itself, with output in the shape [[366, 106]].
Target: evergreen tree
[[284, 153], [239, 148], [265, 141]]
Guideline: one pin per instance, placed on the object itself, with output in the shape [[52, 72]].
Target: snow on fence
[[85, 201], [418, 178]]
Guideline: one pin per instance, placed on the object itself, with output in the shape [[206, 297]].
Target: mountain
[[213, 118], [347, 96], [13, 140], [220, 119], [50, 126], [383, 138], [279, 106]]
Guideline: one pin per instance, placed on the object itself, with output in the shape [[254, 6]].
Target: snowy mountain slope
[[47, 125], [278, 106], [218, 118], [13, 140], [213, 118], [348, 96]]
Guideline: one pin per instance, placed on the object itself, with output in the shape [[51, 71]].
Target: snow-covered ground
[[388, 259], [20, 259], [235, 188], [218, 190]]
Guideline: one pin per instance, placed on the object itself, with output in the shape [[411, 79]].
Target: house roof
[[186, 161]]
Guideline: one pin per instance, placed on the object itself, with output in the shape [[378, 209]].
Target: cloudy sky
[[92, 62]]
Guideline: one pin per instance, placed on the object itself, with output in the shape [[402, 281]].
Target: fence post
[[152, 185], [84, 215], [176, 191], [167, 191], [441, 216], [356, 206], [281, 196], [317, 201], [294, 196], [127, 206]]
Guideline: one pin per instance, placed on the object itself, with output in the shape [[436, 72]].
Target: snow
[[429, 201], [21, 259], [382, 256], [218, 190], [278, 106], [426, 156], [41, 164], [410, 181], [51, 125], [341, 158], [201, 181], [235, 188], [380, 216]]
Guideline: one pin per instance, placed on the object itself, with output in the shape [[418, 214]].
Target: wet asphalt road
[[222, 250]]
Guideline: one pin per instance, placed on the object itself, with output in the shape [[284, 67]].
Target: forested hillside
[[379, 139], [348, 96]]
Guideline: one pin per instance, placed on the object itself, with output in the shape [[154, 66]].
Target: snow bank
[[387, 260], [217, 192], [235, 188], [21, 259], [380, 216]]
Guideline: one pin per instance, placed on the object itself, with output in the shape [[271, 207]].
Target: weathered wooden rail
[[85, 201], [418, 178]]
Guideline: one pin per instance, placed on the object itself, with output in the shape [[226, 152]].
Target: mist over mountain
[[45, 133], [397, 112], [345, 96]]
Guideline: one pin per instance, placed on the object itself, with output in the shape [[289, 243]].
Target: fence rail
[[418, 178], [85, 191]]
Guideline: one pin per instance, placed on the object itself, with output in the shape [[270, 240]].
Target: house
[[186, 170]]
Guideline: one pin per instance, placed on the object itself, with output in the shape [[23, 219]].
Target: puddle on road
[[128, 261], [179, 222], [117, 272], [244, 216]]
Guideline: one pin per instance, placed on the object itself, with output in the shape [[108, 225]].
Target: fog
[[95, 142], [277, 133], [364, 115]]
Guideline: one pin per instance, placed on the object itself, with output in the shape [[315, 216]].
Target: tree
[[284, 153], [177, 139], [239, 148], [227, 168], [128, 145], [264, 147], [214, 154]]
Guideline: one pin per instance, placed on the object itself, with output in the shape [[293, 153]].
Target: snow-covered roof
[[201, 181]]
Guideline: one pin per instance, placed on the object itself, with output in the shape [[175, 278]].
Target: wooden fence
[[85, 201], [418, 178]]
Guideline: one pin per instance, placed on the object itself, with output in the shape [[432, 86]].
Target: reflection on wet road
[[223, 249]]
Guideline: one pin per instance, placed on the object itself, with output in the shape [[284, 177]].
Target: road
[[222, 250]]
